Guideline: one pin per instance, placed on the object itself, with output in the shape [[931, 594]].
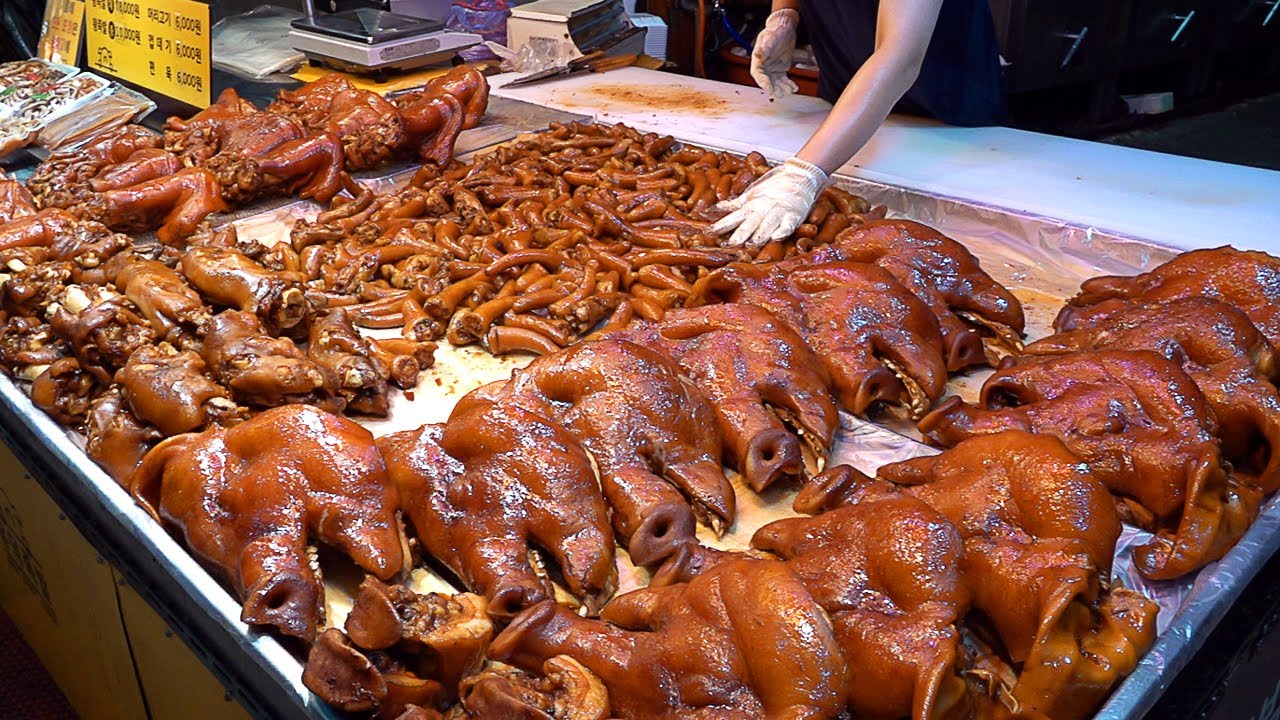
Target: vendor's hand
[[771, 58], [774, 206]]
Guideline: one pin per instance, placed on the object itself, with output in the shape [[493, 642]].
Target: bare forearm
[[860, 110], [903, 31]]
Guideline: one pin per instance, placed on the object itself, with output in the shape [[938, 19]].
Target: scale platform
[[369, 41]]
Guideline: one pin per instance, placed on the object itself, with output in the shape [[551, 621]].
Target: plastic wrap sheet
[[1041, 260], [118, 106], [256, 44]]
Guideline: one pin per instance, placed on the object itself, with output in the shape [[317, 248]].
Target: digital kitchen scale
[[370, 41]]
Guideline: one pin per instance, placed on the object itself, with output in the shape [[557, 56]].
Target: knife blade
[[593, 62]]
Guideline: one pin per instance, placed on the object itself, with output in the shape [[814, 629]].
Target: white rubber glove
[[774, 206], [771, 57]]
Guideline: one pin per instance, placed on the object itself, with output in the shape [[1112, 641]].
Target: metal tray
[[1041, 259]]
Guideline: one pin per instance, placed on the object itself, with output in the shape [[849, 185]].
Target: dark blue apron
[[960, 81]]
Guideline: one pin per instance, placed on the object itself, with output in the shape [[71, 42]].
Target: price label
[[161, 45], [60, 31]]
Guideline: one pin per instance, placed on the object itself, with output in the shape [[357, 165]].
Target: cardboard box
[[176, 685], [105, 647]]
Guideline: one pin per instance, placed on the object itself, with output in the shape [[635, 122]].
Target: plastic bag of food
[[486, 18], [256, 44], [109, 111], [537, 54]]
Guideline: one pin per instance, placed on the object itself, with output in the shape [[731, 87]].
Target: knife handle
[[587, 60], [614, 62]]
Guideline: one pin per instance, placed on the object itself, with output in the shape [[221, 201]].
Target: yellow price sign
[[60, 31], [161, 45]]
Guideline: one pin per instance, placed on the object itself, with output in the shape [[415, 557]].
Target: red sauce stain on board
[[647, 97]]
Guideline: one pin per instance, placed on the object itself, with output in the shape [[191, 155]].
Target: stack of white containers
[[655, 38]]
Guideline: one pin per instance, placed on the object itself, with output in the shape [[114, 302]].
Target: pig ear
[[718, 286], [1106, 287], [939, 688], [373, 622], [642, 609], [147, 479], [1058, 344], [834, 487], [916, 471], [342, 676]]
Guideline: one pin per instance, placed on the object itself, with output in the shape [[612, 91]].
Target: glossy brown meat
[[30, 290], [109, 148], [65, 391], [227, 277], [742, 640], [339, 348], [1039, 531], [145, 164], [944, 274], [103, 330], [761, 378], [888, 571], [434, 124], [446, 637], [15, 200], [36, 230], [174, 310], [249, 499], [1143, 427], [343, 676], [254, 153], [434, 116], [28, 346], [652, 435], [1247, 279], [117, 439], [368, 125], [399, 648], [1220, 349], [262, 370], [170, 390], [465, 83], [562, 689], [310, 167], [873, 336], [59, 235], [63, 178], [213, 130], [405, 359], [486, 489], [172, 205]]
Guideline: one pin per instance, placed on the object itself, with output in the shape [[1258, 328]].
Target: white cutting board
[[1177, 201], [732, 117]]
